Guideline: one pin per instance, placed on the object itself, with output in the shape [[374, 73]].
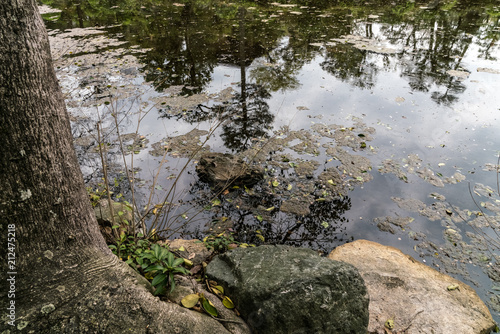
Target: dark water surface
[[401, 100]]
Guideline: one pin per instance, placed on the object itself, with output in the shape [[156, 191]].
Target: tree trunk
[[57, 273]]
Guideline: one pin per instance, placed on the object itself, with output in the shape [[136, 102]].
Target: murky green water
[[371, 119]]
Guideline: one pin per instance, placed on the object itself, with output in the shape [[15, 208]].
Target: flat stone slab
[[411, 297]]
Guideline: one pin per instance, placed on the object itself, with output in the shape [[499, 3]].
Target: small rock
[[194, 250], [223, 171], [296, 206]]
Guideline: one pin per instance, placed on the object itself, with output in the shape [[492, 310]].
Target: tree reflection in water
[[184, 43]]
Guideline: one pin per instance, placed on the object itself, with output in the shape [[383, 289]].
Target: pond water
[[373, 120]]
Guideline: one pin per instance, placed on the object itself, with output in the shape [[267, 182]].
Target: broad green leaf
[[177, 262], [164, 253], [181, 270], [220, 288], [208, 306], [154, 267], [216, 202], [158, 279], [172, 281], [182, 249], [190, 300], [275, 183], [148, 256], [259, 218], [160, 290], [156, 250], [170, 259]]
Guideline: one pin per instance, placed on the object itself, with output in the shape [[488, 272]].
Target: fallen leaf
[[228, 303], [208, 306], [190, 300]]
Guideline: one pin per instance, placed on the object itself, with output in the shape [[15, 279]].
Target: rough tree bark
[[63, 279]]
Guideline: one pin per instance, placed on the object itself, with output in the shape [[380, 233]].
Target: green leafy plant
[[96, 194], [162, 265], [131, 250], [219, 243], [222, 242]]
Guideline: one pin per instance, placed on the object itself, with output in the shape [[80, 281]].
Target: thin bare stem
[[115, 117], [168, 199], [105, 173], [498, 168]]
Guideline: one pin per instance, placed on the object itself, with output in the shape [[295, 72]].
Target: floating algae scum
[[369, 122]]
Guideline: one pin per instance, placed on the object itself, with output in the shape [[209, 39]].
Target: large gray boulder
[[282, 289], [407, 296]]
